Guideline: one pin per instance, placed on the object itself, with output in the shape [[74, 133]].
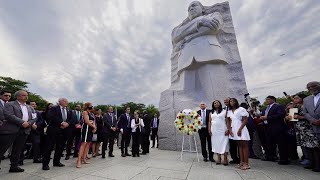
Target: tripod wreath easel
[[190, 129], [190, 149]]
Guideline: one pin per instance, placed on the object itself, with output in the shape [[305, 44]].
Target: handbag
[[94, 137]]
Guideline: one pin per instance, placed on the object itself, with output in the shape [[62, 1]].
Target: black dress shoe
[[67, 158], [316, 170], [205, 159], [268, 159], [123, 155], [103, 156], [144, 153], [152, 147], [234, 162], [138, 155], [212, 160], [284, 162], [37, 161], [111, 155], [58, 164], [16, 169], [127, 154], [45, 167]]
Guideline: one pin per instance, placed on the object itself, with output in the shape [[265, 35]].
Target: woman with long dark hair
[[219, 132], [136, 126], [88, 128], [237, 120]]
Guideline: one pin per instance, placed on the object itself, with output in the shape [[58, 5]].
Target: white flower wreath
[[193, 117]]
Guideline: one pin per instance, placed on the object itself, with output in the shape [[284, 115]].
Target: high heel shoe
[[78, 164], [84, 162]]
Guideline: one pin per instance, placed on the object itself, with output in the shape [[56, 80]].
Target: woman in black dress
[[96, 142], [88, 128], [136, 125]]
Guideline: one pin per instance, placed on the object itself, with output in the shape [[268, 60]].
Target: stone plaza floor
[[158, 165]]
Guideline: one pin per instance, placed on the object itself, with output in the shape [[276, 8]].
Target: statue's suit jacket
[[199, 44], [311, 112], [13, 119]]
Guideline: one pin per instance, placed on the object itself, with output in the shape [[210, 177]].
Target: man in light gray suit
[[311, 108], [16, 128]]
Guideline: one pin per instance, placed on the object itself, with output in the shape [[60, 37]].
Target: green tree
[[72, 105], [13, 85]]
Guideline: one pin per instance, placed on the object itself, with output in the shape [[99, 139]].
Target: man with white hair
[[58, 132]]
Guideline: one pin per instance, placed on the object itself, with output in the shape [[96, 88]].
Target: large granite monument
[[205, 66]]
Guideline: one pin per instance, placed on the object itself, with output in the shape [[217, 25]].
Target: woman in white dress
[[237, 120], [219, 132]]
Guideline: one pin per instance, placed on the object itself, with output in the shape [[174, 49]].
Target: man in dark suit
[[124, 126], [36, 132], [109, 131], [311, 108], [204, 133], [16, 127], [274, 116], [75, 132], [154, 130], [145, 143], [58, 131]]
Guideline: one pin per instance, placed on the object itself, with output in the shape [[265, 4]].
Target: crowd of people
[[241, 129], [26, 132], [271, 134]]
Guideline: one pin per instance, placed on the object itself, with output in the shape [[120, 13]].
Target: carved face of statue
[[195, 10]]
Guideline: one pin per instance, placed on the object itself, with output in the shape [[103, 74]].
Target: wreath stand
[[190, 149]]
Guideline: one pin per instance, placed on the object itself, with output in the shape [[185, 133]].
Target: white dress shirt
[[133, 124], [2, 102], [316, 99], [25, 114]]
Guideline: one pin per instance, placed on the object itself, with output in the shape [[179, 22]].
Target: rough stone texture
[[226, 76]]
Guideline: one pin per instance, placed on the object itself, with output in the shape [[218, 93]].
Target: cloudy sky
[[115, 51]]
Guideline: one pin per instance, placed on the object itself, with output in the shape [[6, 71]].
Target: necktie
[[111, 119], [64, 115], [155, 123], [204, 118], [78, 115], [128, 121]]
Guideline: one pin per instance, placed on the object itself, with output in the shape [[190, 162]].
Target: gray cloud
[[111, 52]]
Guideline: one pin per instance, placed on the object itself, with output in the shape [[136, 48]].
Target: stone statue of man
[[197, 53]]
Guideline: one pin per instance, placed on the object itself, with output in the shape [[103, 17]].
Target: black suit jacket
[[153, 121], [275, 118], [124, 123], [55, 117], [109, 122], [75, 119], [207, 115]]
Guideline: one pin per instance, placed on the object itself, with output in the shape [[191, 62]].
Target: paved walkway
[[158, 165]]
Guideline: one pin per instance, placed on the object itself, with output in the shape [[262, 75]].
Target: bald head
[[203, 105]]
